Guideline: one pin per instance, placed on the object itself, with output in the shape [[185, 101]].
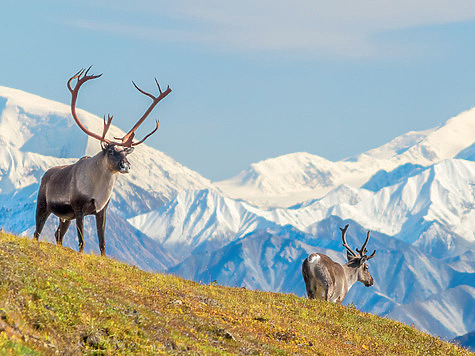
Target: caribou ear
[[104, 145], [349, 256], [128, 150]]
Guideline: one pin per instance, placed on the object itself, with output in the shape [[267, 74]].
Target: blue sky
[[251, 79]]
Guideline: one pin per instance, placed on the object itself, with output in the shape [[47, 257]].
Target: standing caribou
[[85, 187], [328, 280]]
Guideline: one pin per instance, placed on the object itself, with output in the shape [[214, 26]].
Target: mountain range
[[416, 194]]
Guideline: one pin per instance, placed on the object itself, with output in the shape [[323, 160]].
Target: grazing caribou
[[85, 187], [328, 280]]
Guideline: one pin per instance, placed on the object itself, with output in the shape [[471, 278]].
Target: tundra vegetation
[[55, 300]]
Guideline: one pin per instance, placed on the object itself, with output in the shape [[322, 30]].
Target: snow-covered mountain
[[433, 208], [289, 179], [200, 219], [416, 194]]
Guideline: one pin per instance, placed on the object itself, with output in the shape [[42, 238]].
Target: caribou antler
[[127, 141], [343, 233], [363, 249], [371, 256], [82, 77], [361, 252], [106, 126]]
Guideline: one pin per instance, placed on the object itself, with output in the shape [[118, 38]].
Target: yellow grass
[[56, 301]]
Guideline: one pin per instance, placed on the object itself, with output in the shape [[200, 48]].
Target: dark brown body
[[83, 188]]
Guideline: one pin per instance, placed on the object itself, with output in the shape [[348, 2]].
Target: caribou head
[[116, 157], [357, 261]]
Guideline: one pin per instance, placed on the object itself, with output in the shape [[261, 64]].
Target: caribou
[[85, 187], [325, 279]]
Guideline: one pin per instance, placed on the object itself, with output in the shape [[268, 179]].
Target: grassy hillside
[[53, 300]]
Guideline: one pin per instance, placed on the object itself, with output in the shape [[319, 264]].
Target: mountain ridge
[[417, 200], [259, 185]]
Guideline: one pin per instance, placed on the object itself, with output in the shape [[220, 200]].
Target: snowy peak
[[286, 164], [287, 180], [284, 180], [31, 123], [296, 168], [444, 192], [397, 146], [429, 146], [447, 141], [34, 124]]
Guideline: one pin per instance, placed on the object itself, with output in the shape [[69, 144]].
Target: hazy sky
[[251, 79]]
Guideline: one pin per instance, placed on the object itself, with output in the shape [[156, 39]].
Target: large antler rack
[[127, 141]]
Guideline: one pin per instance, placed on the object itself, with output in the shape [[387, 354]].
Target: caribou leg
[[329, 292], [80, 229], [101, 225], [62, 228], [42, 214], [309, 285], [311, 292]]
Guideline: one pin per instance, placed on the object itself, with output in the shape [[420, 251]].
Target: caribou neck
[[101, 168], [96, 180], [351, 275]]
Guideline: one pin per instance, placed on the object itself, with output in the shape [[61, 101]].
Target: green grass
[[56, 301]]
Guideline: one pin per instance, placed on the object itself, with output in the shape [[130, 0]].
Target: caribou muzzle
[[124, 167]]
